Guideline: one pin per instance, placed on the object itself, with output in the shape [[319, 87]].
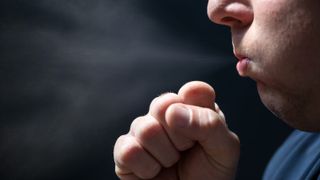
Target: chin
[[290, 110]]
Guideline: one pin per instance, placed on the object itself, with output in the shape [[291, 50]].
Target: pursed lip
[[243, 64]]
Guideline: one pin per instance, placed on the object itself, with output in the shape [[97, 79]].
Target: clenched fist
[[184, 136]]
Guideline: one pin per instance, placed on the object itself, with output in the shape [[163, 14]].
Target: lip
[[246, 66], [239, 55], [242, 65]]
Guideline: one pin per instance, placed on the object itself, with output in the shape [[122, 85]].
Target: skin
[[281, 39], [185, 136], [155, 141]]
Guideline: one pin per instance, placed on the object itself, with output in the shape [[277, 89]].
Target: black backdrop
[[74, 74]]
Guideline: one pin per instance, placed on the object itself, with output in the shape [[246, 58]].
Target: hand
[[184, 136]]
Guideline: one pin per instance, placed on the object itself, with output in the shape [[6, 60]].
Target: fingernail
[[182, 116]]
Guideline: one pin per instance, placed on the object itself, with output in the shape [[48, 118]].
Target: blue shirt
[[297, 158]]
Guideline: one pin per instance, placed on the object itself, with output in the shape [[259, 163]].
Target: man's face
[[278, 44]]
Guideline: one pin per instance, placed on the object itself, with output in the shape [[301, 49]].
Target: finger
[[124, 176], [168, 174], [130, 156], [208, 128], [158, 109], [150, 134], [218, 110], [198, 93]]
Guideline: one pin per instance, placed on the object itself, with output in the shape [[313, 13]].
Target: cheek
[[270, 11], [283, 41]]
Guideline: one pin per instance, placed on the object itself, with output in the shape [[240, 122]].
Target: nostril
[[232, 13]]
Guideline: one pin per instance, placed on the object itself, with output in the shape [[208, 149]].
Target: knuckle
[[121, 173], [150, 173], [205, 121], [127, 152], [214, 119], [147, 131], [158, 100], [133, 158], [160, 104], [117, 146], [136, 123], [205, 118]]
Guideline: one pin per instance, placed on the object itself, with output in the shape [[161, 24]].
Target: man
[[185, 135]]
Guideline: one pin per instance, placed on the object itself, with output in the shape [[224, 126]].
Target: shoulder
[[297, 158]]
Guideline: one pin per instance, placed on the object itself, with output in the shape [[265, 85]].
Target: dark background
[[74, 74]]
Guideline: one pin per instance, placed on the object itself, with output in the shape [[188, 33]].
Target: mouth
[[242, 65]]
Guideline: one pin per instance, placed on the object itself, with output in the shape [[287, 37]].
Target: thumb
[[201, 94], [198, 93], [208, 128]]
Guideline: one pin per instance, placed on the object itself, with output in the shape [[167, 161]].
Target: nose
[[232, 13]]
